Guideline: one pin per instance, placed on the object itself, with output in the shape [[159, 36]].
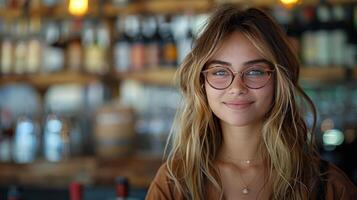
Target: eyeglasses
[[254, 77]]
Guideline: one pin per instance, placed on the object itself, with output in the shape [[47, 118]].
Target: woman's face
[[239, 105]]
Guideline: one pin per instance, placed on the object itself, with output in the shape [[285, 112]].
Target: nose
[[237, 85]]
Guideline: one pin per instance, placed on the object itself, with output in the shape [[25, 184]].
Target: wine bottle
[[122, 52], [76, 191]]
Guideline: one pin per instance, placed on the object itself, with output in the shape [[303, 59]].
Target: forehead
[[236, 49]]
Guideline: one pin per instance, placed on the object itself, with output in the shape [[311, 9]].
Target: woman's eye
[[220, 72], [255, 72]]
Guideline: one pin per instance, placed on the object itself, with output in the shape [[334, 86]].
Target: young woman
[[241, 132]]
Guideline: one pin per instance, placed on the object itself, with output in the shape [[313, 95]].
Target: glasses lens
[[256, 77], [219, 77]]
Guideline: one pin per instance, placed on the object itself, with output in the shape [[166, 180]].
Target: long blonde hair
[[287, 146]]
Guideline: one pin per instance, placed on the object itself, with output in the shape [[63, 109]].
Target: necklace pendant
[[245, 190]]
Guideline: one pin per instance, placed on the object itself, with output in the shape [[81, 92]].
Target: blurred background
[[87, 96]]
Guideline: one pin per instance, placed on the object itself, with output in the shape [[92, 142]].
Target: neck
[[240, 143]]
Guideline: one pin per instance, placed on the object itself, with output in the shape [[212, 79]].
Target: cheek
[[267, 96], [213, 95]]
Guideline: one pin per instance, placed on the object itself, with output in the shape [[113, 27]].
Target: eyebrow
[[250, 62]]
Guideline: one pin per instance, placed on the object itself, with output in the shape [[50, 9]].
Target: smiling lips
[[237, 105]]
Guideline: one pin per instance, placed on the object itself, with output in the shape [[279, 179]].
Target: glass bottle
[[56, 139], [20, 47], [74, 52], [34, 46], [95, 43], [122, 51], [76, 191], [137, 45], [122, 189], [168, 47], [6, 49], [152, 41], [25, 141], [53, 54]]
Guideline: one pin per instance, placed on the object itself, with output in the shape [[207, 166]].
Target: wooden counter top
[[139, 169]]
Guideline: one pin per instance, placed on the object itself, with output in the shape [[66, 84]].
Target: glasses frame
[[241, 75]]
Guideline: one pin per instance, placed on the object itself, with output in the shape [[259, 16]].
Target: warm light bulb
[[78, 7], [289, 1]]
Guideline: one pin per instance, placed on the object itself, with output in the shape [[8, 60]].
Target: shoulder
[[162, 187], [339, 186], [162, 174]]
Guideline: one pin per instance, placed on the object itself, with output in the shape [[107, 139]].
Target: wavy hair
[[287, 145]]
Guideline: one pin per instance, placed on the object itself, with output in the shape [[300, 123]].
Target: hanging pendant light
[[78, 7], [289, 2]]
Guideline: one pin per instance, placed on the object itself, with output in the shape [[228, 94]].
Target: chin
[[241, 122]]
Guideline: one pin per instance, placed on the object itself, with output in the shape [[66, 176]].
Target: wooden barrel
[[114, 131]]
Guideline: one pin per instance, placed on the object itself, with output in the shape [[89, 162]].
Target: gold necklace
[[245, 190], [248, 162]]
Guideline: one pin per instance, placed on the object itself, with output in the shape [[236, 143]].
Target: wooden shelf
[[342, 1], [139, 169], [165, 76], [322, 74], [43, 173], [270, 3], [159, 6], [161, 76], [9, 13], [150, 6], [43, 81], [109, 10], [61, 11]]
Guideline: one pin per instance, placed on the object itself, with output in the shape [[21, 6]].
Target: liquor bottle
[[103, 41], [25, 140], [152, 41], [95, 44], [122, 189], [323, 16], [54, 48], [338, 36], [56, 139], [34, 46], [168, 47], [74, 52], [20, 48], [6, 49], [90, 49], [137, 44], [184, 36], [76, 191], [308, 38], [122, 52]]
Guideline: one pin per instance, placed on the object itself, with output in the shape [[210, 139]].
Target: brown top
[[339, 187]]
